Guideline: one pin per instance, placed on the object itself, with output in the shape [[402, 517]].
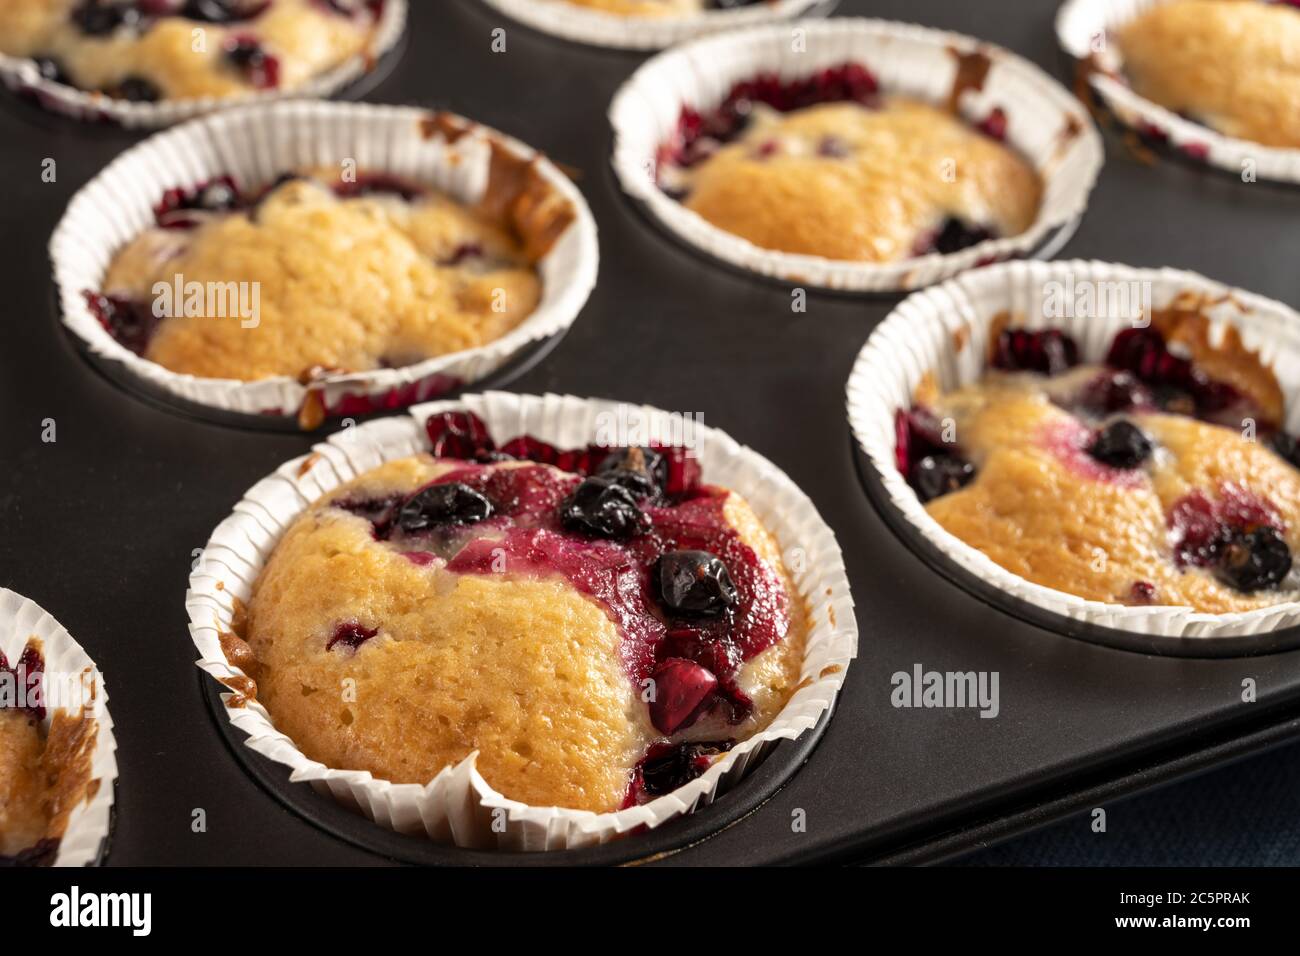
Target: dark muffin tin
[[101, 525]]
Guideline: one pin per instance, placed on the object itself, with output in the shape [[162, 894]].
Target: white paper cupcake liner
[[21, 75], [457, 805], [1079, 23], [601, 28], [254, 145], [918, 338], [88, 826], [1045, 123]]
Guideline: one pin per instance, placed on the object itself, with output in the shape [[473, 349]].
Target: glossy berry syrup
[[28, 671], [698, 134], [688, 516], [691, 600]]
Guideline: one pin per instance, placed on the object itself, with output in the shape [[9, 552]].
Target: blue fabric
[[1245, 814]]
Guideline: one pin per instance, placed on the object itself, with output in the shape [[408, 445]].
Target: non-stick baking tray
[[102, 524]]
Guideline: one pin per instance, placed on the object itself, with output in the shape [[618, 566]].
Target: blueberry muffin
[[828, 166], [1232, 65], [598, 624], [1160, 476], [44, 772], [320, 273], [151, 50]]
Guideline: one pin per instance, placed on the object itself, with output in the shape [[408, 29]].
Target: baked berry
[[51, 69], [437, 505], [1142, 592], [223, 11], [1255, 560], [99, 18], [832, 147], [371, 184], [1046, 351], [994, 125], [955, 235], [350, 634], [380, 512], [1198, 531], [682, 473], [697, 136], [639, 470], [458, 435], [683, 690], [1121, 444], [136, 89], [29, 674], [131, 323], [694, 584], [1114, 391], [603, 509], [918, 433], [666, 767], [218, 195], [1179, 386], [215, 195], [259, 67], [939, 474]]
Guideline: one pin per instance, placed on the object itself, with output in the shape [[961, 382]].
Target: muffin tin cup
[[85, 840], [945, 331], [601, 28], [20, 75], [1084, 25], [1045, 123], [254, 145], [458, 806]]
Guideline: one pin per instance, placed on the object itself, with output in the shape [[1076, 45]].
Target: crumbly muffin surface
[[344, 283], [138, 54], [848, 181], [471, 641], [1233, 65]]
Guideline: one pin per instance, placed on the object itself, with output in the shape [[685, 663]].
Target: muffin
[[828, 166], [45, 766], [1161, 475], [160, 50], [323, 273], [597, 624], [1231, 65]]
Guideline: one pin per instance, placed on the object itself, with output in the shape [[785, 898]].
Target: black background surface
[[100, 527]]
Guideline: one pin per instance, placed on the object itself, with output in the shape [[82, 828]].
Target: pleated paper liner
[[945, 331], [1046, 124], [85, 838], [602, 28], [256, 144], [22, 76], [458, 805], [1082, 28]]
